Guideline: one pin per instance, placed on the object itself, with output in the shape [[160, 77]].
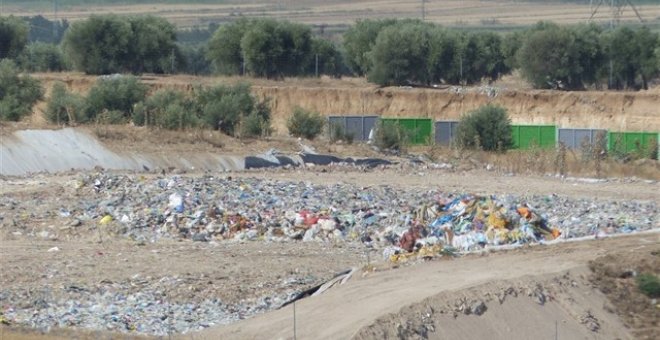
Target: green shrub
[[486, 128], [255, 125], [166, 108], [392, 136], [63, 106], [18, 93], [303, 123], [42, 57], [338, 133], [221, 107], [114, 93], [111, 117], [649, 284]]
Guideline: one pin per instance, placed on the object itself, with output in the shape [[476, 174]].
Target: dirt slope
[[614, 111], [512, 310], [342, 313], [617, 111]]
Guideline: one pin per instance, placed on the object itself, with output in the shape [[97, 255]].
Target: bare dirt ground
[[347, 311], [614, 274], [471, 13]]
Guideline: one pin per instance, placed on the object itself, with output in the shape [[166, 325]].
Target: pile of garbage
[[249, 209], [119, 307]]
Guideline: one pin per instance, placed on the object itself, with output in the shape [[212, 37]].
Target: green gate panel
[[631, 141], [424, 131], [420, 129], [526, 136]]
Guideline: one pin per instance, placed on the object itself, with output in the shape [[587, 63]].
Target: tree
[[330, 60], [276, 49], [647, 42], [46, 31], [13, 36], [570, 56], [399, 55], [18, 93], [224, 48], [591, 58], [42, 57], [98, 45], [152, 46], [489, 61], [510, 45], [633, 56], [488, 128], [296, 47], [105, 44], [359, 39], [546, 57], [195, 60], [442, 46]]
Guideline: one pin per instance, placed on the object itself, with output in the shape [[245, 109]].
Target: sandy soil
[[343, 312]]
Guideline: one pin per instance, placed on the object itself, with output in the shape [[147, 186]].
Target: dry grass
[[461, 13], [160, 139], [537, 161]]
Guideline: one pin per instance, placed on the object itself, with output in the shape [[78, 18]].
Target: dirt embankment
[[604, 110], [617, 111], [540, 291]]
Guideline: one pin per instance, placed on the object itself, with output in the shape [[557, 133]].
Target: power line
[[616, 7]]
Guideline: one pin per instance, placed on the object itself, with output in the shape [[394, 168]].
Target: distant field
[[498, 15]]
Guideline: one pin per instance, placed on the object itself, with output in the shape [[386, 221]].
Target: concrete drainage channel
[[35, 151]]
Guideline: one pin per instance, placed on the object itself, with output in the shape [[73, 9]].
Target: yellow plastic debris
[[4, 321], [106, 219], [495, 219]]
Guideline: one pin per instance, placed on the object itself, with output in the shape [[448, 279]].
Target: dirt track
[[342, 312]]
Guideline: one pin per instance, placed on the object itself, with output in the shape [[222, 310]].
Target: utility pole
[[460, 57], [54, 21], [172, 61], [611, 62], [613, 15], [316, 71], [423, 10], [616, 8]]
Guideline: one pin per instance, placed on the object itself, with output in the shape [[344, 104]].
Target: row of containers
[[426, 131]]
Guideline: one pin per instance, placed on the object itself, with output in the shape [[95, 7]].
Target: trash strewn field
[[162, 254]]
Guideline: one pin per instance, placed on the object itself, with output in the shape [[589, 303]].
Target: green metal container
[[526, 136], [626, 142], [420, 129]]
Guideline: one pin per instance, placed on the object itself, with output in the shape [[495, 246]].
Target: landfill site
[[108, 234], [124, 232]]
